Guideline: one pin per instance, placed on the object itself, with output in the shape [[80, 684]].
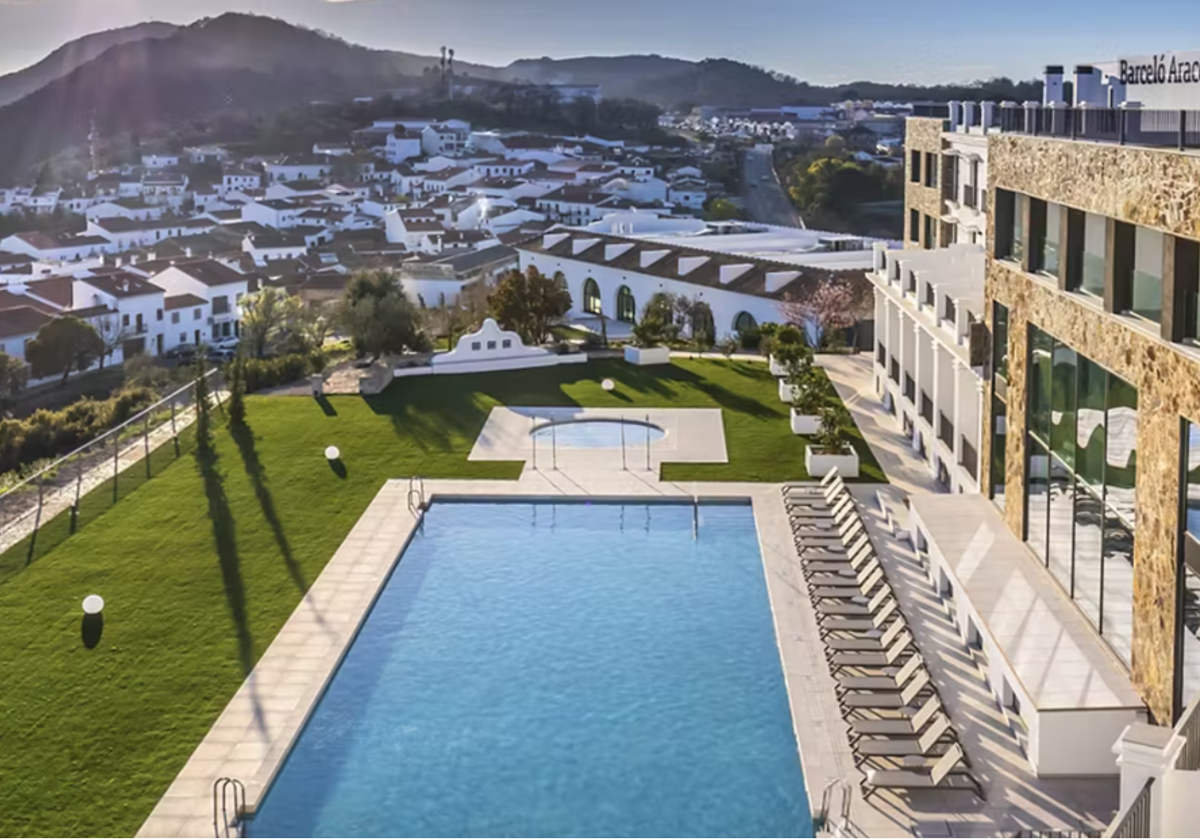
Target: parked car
[[229, 343], [182, 352], [221, 354]]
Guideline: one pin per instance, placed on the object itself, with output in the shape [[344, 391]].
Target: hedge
[[50, 434], [267, 373]]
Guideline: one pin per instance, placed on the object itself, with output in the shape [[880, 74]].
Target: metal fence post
[[37, 522], [116, 458], [146, 442], [78, 489], [1121, 126], [174, 430], [1182, 130]]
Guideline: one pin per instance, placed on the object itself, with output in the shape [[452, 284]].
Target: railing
[[229, 804], [1178, 129], [1189, 729], [1134, 821], [880, 354], [894, 371], [970, 459], [910, 388], [945, 430], [927, 408]]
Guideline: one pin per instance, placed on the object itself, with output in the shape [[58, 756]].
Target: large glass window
[[1146, 294], [999, 430], [626, 305], [591, 296], [1187, 616], [1082, 449], [999, 444], [1091, 269], [1050, 260], [1020, 236]]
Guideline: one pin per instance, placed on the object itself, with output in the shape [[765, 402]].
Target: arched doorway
[[591, 297], [626, 305], [744, 321]]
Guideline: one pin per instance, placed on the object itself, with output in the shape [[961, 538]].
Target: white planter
[[647, 355], [805, 424], [785, 391], [776, 368], [819, 464]]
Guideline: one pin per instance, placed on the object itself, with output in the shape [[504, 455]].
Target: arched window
[[626, 305], [744, 321], [591, 296], [703, 323]]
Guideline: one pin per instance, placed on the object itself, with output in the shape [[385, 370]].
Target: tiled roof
[[210, 272], [183, 302], [123, 284], [22, 320], [57, 290]]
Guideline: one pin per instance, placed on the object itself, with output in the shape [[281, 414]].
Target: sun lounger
[[809, 555], [876, 621], [826, 538], [875, 659], [838, 513], [854, 560], [853, 576], [850, 588], [856, 604], [938, 731], [904, 726], [871, 700], [888, 682], [940, 775], [868, 643]]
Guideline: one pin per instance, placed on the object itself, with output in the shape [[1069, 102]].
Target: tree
[[378, 315], [835, 304], [12, 379], [235, 378], [529, 303], [63, 345], [723, 210], [272, 320], [112, 336]]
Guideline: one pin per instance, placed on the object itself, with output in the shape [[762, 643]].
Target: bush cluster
[[51, 434], [267, 373]]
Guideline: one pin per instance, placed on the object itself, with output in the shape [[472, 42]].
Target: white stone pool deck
[[253, 735]]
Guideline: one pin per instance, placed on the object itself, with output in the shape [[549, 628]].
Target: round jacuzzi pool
[[597, 433]]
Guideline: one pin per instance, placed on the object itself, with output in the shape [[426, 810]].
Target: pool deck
[[253, 735]]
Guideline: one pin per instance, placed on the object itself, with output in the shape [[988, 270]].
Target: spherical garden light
[[332, 453], [608, 385], [93, 605]]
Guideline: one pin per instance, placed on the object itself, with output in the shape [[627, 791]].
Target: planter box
[[805, 424], [648, 355], [785, 391], [819, 464], [776, 368]]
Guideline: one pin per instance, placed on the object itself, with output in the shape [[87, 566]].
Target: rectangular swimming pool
[[578, 669]]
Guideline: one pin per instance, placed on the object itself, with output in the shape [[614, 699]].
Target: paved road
[[765, 199]]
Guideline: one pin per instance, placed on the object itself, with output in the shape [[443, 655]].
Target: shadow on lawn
[[243, 436], [225, 541]]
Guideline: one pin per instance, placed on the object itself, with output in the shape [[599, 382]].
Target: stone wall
[[1167, 376], [923, 134]]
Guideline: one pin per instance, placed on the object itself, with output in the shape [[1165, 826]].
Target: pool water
[[597, 434], [556, 670]]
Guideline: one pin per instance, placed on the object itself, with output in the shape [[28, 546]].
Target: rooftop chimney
[[1052, 90], [1088, 87]]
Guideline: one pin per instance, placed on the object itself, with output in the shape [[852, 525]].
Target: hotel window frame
[[1187, 563], [914, 166], [931, 170], [1148, 253], [914, 225]]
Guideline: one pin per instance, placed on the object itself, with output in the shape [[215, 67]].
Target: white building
[[125, 208], [43, 246], [239, 178], [298, 168], [278, 213], [964, 172], [160, 161], [403, 144], [688, 192], [217, 284], [136, 310], [127, 234], [445, 138], [929, 346]]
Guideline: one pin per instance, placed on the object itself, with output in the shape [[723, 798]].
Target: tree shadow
[[90, 630], [243, 436], [225, 541]]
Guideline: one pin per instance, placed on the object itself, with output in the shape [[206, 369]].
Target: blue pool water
[[556, 670], [597, 434]]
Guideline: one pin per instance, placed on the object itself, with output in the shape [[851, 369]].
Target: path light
[[608, 385], [93, 605], [332, 453]]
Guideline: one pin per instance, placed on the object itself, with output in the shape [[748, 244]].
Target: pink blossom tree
[[835, 304]]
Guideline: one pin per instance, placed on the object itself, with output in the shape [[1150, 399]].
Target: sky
[[820, 41]]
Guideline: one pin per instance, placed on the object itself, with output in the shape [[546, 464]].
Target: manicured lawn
[[199, 572]]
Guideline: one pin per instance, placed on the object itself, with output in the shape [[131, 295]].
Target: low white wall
[[494, 365], [1078, 743]]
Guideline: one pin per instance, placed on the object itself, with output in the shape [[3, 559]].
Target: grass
[[201, 565]]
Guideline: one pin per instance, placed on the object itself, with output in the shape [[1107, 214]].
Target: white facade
[[444, 139], [308, 171], [223, 299], [163, 161], [926, 303], [136, 318], [964, 176], [400, 149], [273, 213], [114, 210]]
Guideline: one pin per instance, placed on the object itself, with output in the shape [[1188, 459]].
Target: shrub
[[768, 329], [750, 338], [52, 434], [832, 437], [267, 373], [790, 335]]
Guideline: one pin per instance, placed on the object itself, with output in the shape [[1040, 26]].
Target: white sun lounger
[[904, 726], [873, 622], [870, 700], [855, 604], [940, 775], [891, 682], [868, 643], [851, 588], [903, 747], [856, 576], [875, 659]]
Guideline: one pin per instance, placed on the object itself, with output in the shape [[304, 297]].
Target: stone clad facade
[[1148, 187], [924, 135]]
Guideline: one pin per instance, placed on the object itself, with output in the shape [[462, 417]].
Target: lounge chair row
[[898, 729]]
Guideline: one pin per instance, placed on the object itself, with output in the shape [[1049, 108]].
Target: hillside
[[75, 54]]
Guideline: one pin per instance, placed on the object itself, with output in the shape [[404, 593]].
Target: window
[[476, 345], [220, 305], [506, 344], [160, 315], [174, 317], [1082, 439], [124, 320], [196, 315], [183, 338], [929, 231], [999, 430], [591, 297], [626, 305], [1095, 245], [951, 312], [1187, 612], [1147, 286], [1050, 259], [930, 169], [914, 166], [930, 295], [914, 226], [491, 345], [1020, 236]]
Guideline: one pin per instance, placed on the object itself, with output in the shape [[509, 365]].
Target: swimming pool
[[598, 433], [556, 669]]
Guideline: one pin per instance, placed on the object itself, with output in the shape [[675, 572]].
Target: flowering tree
[[835, 304]]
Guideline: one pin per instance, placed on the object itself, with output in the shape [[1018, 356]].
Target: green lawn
[[200, 570]]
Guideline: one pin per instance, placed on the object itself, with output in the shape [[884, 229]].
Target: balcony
[[910, 388], [894, 371], [945, 430], [927, 408], [1125, 126], [969, 459]]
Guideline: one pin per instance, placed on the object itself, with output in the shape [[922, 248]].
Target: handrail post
[[533, 440], [1182, 129], [78, 489], [116, 456], [648, 443], [146, 442], [623, 442], [554, 446], [174, 429]]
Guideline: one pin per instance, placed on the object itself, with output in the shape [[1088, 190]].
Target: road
[[764, 196]]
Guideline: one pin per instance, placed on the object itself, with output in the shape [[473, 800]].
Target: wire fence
[[89, 480]]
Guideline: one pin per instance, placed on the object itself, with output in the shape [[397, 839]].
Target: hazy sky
[[821, 41]]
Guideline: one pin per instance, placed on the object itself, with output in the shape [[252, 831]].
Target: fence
[[1189, 729], [1130, 126], [1134, 821], [123, 457]]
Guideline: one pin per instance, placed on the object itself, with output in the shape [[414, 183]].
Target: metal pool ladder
[[821, 822], [229, 798], [416, 495]]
